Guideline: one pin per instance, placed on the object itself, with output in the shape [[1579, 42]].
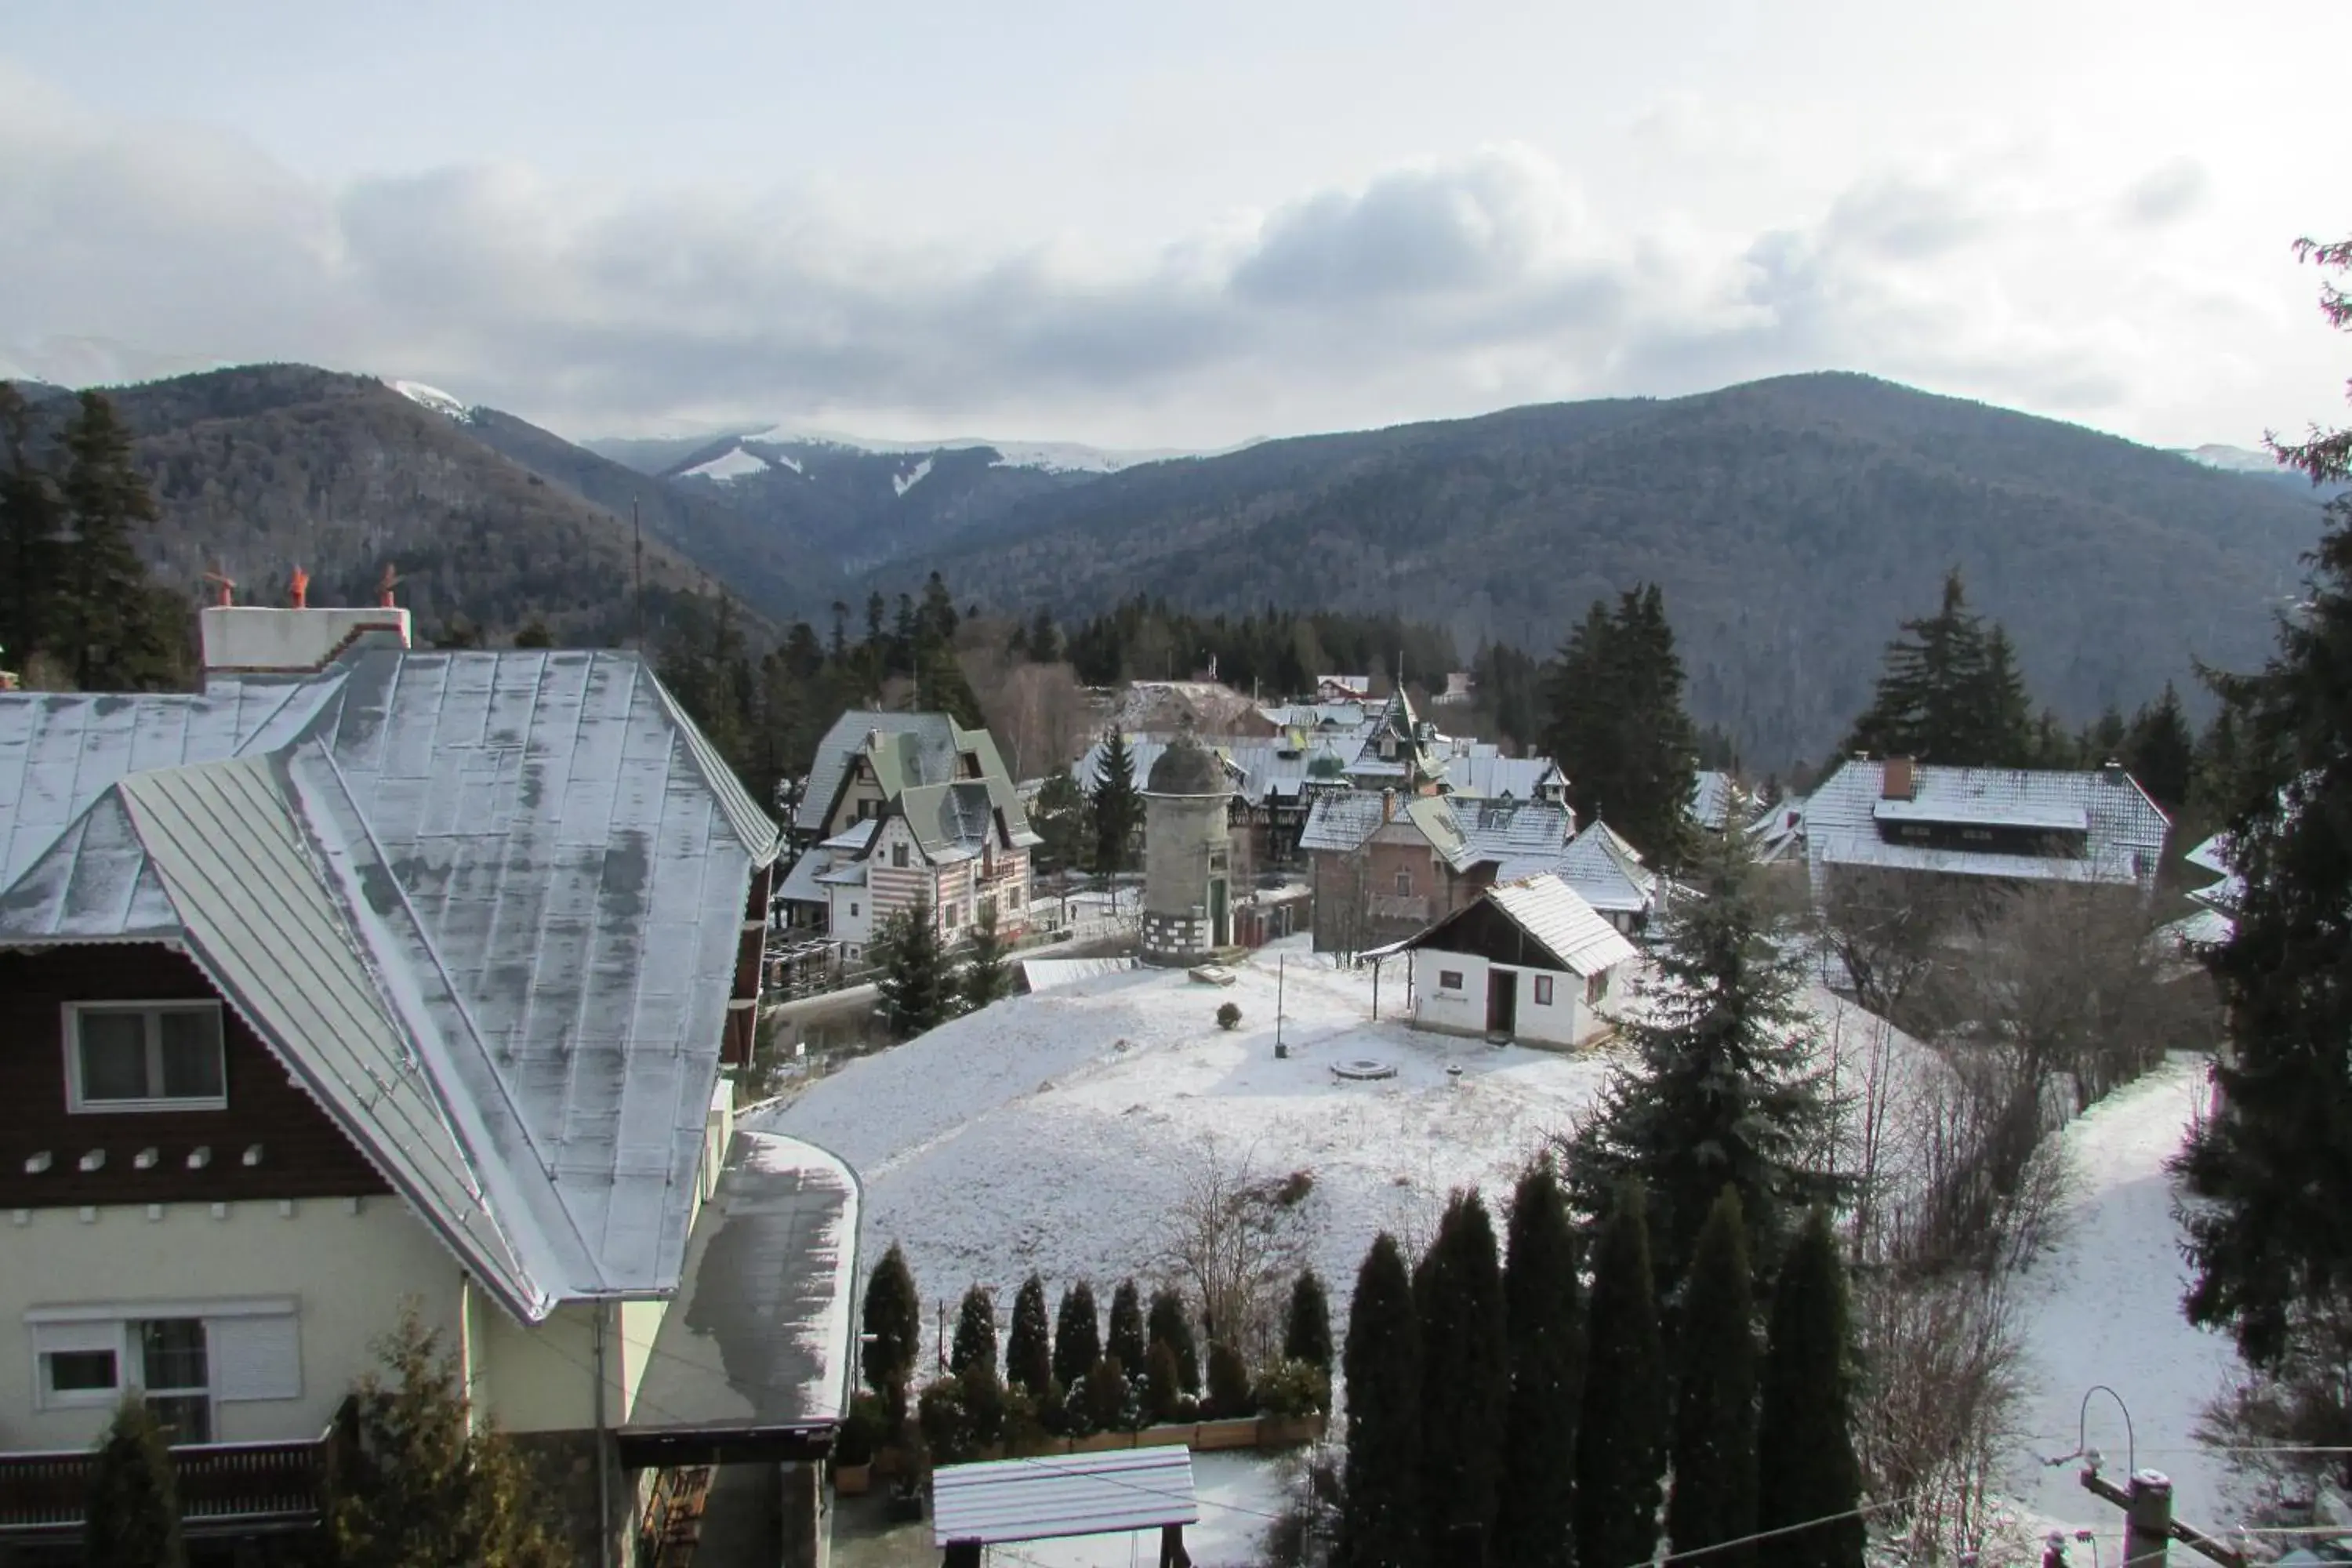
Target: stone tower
[[1187, 856]]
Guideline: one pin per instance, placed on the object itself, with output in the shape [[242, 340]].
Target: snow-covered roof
[[915, 756], [1714, 797], [2212, 855], [1554, 917], [1607, 872], [1484, 772], [2122, 830], [1343, 820], [2195, 932], [1059, 1495], [485, 906]]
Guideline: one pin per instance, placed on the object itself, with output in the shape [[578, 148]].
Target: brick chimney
[[1899, 781], [1387, 805]]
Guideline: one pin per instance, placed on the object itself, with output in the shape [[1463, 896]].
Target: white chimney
[[260, 640]]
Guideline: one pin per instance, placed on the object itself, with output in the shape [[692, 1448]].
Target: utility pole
[[637, 547], [1281, 974], [2148, 1524]]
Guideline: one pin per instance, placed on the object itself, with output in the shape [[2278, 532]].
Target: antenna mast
[[637, 548]]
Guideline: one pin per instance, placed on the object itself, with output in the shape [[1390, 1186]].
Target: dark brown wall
[[304, 1153]]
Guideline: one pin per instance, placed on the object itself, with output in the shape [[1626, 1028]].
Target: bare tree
[[1235, 1238], [1891, 931]]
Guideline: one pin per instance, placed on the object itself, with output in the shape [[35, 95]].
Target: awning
[[1063, 1494], [755, 1357]]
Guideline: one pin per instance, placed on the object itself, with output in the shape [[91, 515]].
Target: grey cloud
[[1903, 219], [2168, 193]]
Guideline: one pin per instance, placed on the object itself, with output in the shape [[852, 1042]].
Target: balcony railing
[[222, 1487]]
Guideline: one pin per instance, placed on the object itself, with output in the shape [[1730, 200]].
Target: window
[[144, 1056], [1596, 987], [950, 912], [1543, 989], [176, 1374], [1404, 884], [182, 1359], [1012, 897], [899, 856], [1449, 980], [853, 908]]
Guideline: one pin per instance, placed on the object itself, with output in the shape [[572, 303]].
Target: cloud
[[1442, 287], [2167, 194]]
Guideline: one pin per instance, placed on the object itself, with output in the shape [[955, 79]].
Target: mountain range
[[1792, 523]]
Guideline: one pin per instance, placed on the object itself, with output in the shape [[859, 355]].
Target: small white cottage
[[1530, 960]]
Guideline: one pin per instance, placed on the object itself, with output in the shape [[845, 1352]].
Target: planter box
[[1210, 1435], [1288, 1431], [1102, 1442], [1039, 1447], [853, 1481], [1164, 1437], [893, 1462]]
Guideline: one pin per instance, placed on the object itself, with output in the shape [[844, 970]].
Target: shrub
[[1026, 1424], [944, 1414], [1127, 1344], [1229, 1385], [1110, 1403], [1170, 1326], [861, 1431], [134, 1510], [1229, 1016], [975, 1334], [984, 1397], [1307, 1326], [1163, 1388], [1291, 1388]]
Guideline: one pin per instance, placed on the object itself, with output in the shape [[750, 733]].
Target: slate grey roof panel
[[1057, 1496], [1549, 912], [2122, 841]]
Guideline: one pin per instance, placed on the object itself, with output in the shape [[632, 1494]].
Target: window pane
[[172, 1351], [81, 1372], [185, 1420], [113, 1055], [192, 1054]]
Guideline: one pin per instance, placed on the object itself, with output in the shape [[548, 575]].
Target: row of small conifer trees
[[1067, 1379], [1505, 1407]]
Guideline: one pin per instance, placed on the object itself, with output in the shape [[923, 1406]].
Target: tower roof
[[1187, 767]]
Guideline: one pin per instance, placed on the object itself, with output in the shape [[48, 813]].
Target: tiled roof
[[2123, 829], [1341, 821], [908, 752], [1607, 872], [1553, 915], [512, 876]]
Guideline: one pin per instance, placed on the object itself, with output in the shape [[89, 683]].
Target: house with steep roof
[[1527, 961], [1609, 874], [902, 810], [368, 976], [1383, 865], [2094, 829]]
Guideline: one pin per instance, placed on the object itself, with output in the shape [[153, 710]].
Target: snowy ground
[[2105, 1307]]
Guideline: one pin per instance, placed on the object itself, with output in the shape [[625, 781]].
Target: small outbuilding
[[1530, 961]]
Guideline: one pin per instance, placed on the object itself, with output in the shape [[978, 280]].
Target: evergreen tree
[[1229, 1384], [1544, 1337], [1380, 1518], [1465, 1378], [893, 1333], [1621, 1450], [1078, 1335], [121, 633], [427, 1488], [1172, 1326], [986, 974], [914, 985], [1043, 639], [1163, 1383], [1060, 816], [1126, 1344], [1806, 1468], [2160, 752], [1306, 1326], [1721, 1088], [2273, 1249], [133, 1518], [534, 634], [1714, 1497], [1117, 805], [1617, 726], [1999, 711], [1029, 1352], [31, 517], [975, 1335], [1949, 692]]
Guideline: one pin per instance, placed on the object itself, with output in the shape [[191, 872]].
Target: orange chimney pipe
[[384, 588], [300, 587]]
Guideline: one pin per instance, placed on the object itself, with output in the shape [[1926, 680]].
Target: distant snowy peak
[[733, 464], [436, 399], [904, 482], [2234, 459], [1053, 456]]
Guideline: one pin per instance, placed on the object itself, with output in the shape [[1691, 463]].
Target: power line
[[1864, 1511]]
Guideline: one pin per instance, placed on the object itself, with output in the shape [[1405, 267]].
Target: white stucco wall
[[1565, 1021]]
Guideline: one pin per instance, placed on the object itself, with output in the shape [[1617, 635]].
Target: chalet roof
[[910, 751], [2123, 830], [1553, 917], [1484, 772], [485, 905], [1343, 820], [1716, 797], [1607, 872]]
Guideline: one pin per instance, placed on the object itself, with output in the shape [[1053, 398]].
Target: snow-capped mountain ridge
[[1054, 456], [436, 399]]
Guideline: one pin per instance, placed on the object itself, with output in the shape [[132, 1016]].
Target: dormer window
[[144, 1056], [898, 856]]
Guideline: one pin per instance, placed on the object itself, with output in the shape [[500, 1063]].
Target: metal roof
[[1714, 793], [2123, 833], [2056, 816], [1485, 773], [1607, 872], [761, 1338], [1342, 821], [2212, 855], [516, 894], [1058, 1495], [1555, 918]]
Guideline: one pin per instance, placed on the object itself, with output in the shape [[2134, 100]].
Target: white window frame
[[113, 1327], [70, 1031]]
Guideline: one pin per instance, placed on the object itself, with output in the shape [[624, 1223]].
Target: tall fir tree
[[1062, 819], [1999, 711], [1950, 692], [1117, 805], [1170, 1325], [1616, 722], [1029, 1349], [1806, 1469], [1380, 1516], [2272, 1248], [894, 1333], [986, 974], [133, 1518], [915, 987], [1126, 1342], [974, 1347], [1078, 1335], [31, 517], [1719, 1087], [1465, 1376], [426, 1485], [1543, 1316], [1714, 1503], [121, 633], [1621, 1450], [2161, 752], [1306, 1323]]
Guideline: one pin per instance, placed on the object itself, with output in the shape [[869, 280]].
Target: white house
[[1530, 961]]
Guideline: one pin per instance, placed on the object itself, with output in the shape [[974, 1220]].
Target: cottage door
[[1502, 1001], [1220, 922]]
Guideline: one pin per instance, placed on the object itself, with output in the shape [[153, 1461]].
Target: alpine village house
[[365, 978]]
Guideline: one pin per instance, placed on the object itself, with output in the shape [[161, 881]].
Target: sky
[[1181, 226]]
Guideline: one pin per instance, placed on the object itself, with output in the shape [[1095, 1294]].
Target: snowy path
[[2105, 1307]]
